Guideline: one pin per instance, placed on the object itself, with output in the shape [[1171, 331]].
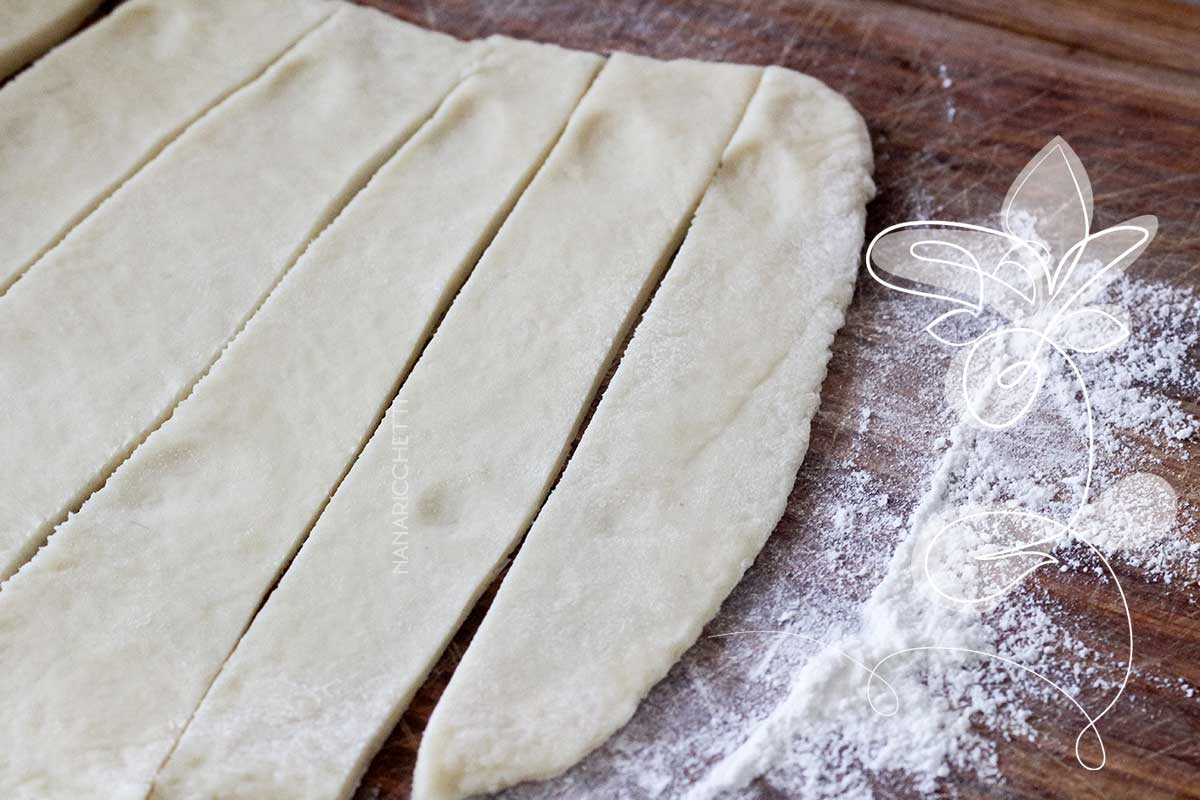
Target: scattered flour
[[944, 74], [771, 703], [947, 82], [948, 646]]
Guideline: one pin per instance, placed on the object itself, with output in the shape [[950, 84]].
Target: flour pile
[[951, 675]]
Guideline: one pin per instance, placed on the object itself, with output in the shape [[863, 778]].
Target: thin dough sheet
[[687, 464]]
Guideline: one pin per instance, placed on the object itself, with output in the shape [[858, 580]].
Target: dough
[[468, 450], [29, 28], [111, 635], [479, 150], [687, 464], [109, 332], [90, 114]]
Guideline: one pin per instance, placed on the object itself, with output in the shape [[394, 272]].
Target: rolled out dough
[[474, 156], [468, 450], [112, 328], [686, 465], [88, 115], [29, 28], [110, 637]]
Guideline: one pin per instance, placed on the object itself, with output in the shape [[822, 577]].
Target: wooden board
[[1121, 81]]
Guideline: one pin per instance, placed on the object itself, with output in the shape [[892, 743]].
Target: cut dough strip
[[114, 326], [110, 637], [29, 28], [91, 113], [687, 464], [468, 450]]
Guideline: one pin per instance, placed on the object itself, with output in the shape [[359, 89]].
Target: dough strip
[[29, 28], [111, 330], [90, 114], [465, 456], [109, 638], [686, 466]]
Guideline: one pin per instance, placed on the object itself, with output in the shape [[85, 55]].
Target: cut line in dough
[[686, 466], [501, 120], [111, 636], [29, 28], [470, 446], [94, 111], [188, 249]]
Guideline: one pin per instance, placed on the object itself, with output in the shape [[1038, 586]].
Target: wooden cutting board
[[957, 103], [958, 94]]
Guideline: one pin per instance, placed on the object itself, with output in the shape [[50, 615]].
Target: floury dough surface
[[100, 106], [686, 466], [112, 328], [484, 420], [111, 634], [29, 28], [467, 166], [121, 669]]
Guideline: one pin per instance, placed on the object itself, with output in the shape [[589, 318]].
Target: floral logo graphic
[[1021, 296], [1017, 304]]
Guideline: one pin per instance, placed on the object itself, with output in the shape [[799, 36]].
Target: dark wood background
[[1121, 81]]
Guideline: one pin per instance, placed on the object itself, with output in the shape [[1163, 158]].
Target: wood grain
[[1156, 32], [1119, 82]]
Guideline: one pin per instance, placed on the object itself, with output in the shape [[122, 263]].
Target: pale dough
[[473, 158], [446, 487], [111, 634], [89, 114], [687, 464], [29, 28], [111, 329]]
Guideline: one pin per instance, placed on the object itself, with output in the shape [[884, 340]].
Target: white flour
[[777, 707], [829, 725]]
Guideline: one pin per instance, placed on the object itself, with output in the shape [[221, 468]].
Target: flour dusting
[[947, 83], [778, 708], [953, 678], [949, 580]]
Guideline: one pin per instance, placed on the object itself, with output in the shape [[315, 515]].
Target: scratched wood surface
[[957, 103], [958, 95]]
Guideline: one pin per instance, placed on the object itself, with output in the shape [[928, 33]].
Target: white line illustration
[[1021, 297]]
